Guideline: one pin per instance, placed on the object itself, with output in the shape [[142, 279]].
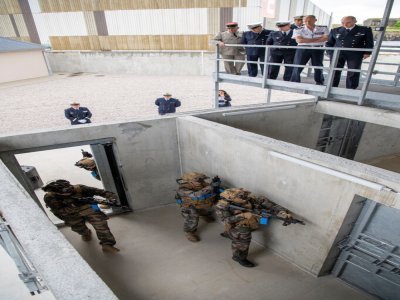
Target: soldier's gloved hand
[[246, 215], [283, 214]]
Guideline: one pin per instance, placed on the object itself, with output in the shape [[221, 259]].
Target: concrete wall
[[22, 65], [146, 150], [244, 159], [378, 141], [299, 126], [133, 62]]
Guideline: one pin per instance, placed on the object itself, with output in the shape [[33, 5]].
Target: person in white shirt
[[310, 35]]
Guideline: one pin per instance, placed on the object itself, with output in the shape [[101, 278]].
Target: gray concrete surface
[[133, 62], [66, 274], [157, 262], [40, 103], [244, 160]]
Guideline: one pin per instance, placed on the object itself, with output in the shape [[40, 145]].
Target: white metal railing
[[365, 75]]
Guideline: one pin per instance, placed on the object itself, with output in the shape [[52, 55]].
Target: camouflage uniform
[[239, 224], [75, 214], [196, 197], [89, 164]]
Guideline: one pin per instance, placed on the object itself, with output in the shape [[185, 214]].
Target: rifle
[[91, 200], [265, 214]]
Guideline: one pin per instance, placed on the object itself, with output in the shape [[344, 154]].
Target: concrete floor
[[388, 162], [157, 262]]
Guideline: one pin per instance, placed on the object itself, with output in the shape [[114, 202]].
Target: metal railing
[[321, 91]]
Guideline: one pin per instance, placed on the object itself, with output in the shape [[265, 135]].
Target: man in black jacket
[[167, 104], [256, 36], [282, 37], [77, 114], [350, 35]]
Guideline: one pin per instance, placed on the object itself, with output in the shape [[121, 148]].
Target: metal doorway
[[370, 256]]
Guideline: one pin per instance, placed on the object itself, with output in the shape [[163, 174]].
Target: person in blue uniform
[[350, 35], [77, 114], [256, 36], [310, 35], [167, 104], [297, 22], [281, 37]]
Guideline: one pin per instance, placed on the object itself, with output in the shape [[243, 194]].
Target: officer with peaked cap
[[77, 114], [281, 37], [231, 36], [297, 22], [350, 35], [257, 35]]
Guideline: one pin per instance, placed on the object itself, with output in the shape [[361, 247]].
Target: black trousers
[[354, 61], [287, 57], [301, 57], [252, 68]]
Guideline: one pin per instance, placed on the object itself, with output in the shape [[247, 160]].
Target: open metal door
[[109, 171], [370, 256]]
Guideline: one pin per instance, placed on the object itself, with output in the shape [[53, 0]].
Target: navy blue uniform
[[167, 106], [358, 37], [253, 53], [277, 55], [75, 115]]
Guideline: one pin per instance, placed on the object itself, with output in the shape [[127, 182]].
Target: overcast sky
[[361, 9]]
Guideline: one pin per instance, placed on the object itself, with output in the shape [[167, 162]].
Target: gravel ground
[[40, 103]]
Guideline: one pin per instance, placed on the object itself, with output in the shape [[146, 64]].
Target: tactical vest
[[240, 197], [195, 191]]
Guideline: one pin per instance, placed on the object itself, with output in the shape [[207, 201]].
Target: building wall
[[299, 126], [135, 25], [22, 65], [377, 141], [133, 62]]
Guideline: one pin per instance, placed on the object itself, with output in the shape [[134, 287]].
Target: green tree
[[397, 24]]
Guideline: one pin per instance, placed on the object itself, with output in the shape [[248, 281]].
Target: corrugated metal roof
[[9, 45]]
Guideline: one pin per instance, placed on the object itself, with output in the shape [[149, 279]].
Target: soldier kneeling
[[196, 196], [67, 202]]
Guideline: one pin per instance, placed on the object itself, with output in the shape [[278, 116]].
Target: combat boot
[[109, 248], [192, 236], [87, 237], [244, 262]]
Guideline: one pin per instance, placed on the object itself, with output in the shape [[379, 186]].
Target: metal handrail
[[333, 62]]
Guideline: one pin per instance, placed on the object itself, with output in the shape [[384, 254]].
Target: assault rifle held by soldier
[[91, 200], [263, 213]]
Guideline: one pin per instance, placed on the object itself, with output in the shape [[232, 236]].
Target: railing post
[[265, 68], [331, 74], [216, 77], [397, 77], [375, 52]]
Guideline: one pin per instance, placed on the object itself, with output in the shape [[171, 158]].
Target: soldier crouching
[[196, 196], [241, 212], [66, 203]]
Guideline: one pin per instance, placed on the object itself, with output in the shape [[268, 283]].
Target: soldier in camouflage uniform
[[66, 203], [239, 224], [196, 196], [88, 163]]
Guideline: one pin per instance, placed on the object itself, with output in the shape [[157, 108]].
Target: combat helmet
[[59, 186], [193, 181], [236, 195]]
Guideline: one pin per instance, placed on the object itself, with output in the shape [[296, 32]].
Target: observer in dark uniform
[[297, 22], [167, 104], [282, 37], [350, 35], [77, 114], [256, 36], [310, 35]]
